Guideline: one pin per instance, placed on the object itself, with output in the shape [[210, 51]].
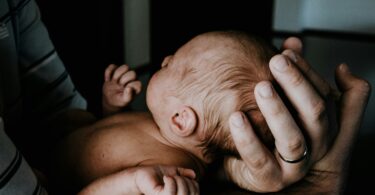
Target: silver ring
[[304, 155]]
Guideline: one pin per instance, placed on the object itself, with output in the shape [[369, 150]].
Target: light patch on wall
[[137, 32], [330, 15]]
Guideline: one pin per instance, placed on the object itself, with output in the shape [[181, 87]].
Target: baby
[[190, 100]]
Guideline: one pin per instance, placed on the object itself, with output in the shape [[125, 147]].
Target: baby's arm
[[157, 179], [119, 86]]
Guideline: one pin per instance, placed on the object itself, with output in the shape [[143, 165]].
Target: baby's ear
[[184, 121]]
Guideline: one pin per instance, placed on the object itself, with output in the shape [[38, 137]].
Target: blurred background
[[89, 35]]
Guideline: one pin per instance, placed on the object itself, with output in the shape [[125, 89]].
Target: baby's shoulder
[[126, 118]]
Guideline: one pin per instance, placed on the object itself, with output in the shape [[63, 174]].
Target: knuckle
[[295, 145], [277, 110], [296, 78], [364, 87], [258, 162], [318, 109]]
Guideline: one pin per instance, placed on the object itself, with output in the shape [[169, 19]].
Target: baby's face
[[160, 90]]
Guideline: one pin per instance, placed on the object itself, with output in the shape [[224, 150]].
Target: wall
[[136, 32], [332, 15]]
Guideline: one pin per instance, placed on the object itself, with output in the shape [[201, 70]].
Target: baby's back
[[116, 143]]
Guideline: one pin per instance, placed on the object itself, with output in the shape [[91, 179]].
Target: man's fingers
[[320, 84], [251, 150], [263, 180], [355, 94], [310, 106], [294, 44], [293, 49], [289, 139], [258, 170]]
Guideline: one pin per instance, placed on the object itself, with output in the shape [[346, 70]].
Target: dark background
[[88, 36]]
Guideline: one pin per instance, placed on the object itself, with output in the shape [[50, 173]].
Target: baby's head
[[206, 80]]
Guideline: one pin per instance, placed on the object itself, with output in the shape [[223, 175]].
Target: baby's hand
[[166, 180], [119, 87]]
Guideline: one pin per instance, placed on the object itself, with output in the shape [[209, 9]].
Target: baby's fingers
[[119, 72], [136, 86], [189, 173], [192, 186], [130, 90], [127, 77], [109, 71], [170, 186], [185, 186]]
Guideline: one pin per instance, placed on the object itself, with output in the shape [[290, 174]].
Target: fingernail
[[265, 89], [237, 120], [291, 55], [279, 63]]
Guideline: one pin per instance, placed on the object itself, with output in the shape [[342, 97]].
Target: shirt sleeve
[[16, 176], [47, 88]]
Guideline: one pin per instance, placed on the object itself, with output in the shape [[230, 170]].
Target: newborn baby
[[190, 100]]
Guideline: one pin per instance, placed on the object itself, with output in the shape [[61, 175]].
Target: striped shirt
[[16, 177], [33, 84]]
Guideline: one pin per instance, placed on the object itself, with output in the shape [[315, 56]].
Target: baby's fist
[[120, 85]]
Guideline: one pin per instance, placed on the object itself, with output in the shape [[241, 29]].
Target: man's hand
[[119, 87], [262, 170]]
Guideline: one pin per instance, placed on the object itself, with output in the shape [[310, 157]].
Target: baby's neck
[[192, 150]]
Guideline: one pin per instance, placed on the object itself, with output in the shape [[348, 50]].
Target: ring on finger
[[304, 155]]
